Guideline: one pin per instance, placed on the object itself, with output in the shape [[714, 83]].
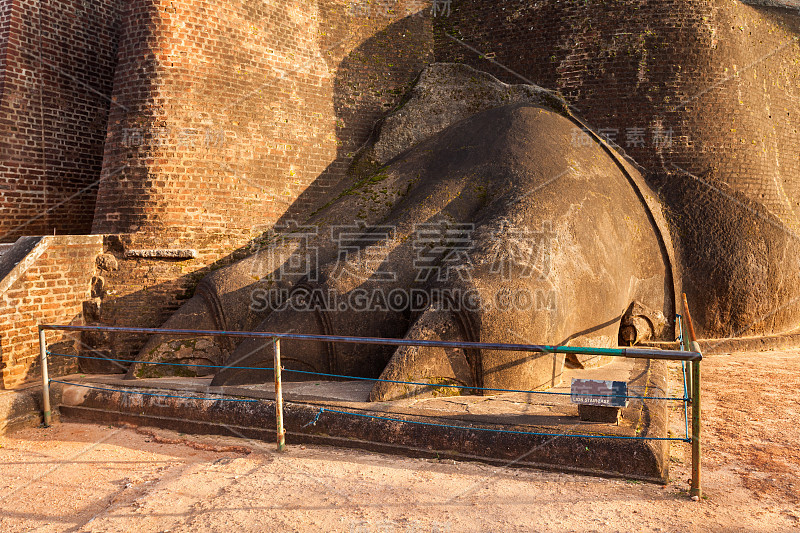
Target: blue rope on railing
[[316, 419], [376, 417], [156, 362], [685, 401], [422, 384], [679, 322]]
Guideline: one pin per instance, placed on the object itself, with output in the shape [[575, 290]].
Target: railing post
[[279, 397], [696, 450], [696, 491], [687, 346], [46, 415]]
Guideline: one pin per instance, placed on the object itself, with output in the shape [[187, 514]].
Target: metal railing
[[690, 344], [685, 356]]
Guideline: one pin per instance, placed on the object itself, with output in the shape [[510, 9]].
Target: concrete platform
[[464, 427]]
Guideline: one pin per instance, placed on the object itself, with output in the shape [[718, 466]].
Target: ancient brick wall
[[58, 60], [228, 112], [141, 285], [5, 21], [719, 81], [50, 285], [110, 280], [709, 87]]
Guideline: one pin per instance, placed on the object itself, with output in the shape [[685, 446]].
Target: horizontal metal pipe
[[633, 353]]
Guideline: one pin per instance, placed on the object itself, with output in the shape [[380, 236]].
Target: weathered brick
[[54, 112], [19, 339]]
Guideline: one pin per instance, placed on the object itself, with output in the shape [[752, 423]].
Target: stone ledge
[[22, 407], [604, 456]]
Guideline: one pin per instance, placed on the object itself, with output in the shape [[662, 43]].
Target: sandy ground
[[82, 477]]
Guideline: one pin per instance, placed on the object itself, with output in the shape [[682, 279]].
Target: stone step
[[421, 433]]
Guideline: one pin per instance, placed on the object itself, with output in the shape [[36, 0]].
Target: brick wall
[[5, 20], [92, 280], [224, 114], [711, 87], [228, 112], [144, 291], [723, 77], [58, 59], [50, 285]]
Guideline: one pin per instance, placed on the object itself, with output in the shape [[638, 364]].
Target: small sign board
[[598, 392]]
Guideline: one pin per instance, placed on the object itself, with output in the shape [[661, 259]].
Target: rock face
[[489, 223], [445, 94]]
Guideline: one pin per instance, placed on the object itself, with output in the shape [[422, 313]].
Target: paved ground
[[76, 477]]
